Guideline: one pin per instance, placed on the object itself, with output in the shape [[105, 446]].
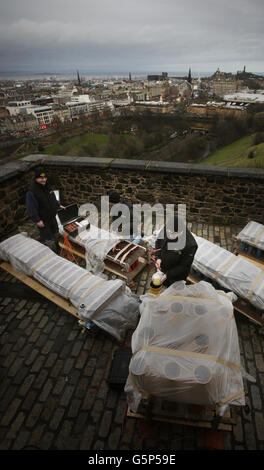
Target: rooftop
[[54, 391], [246, 97]]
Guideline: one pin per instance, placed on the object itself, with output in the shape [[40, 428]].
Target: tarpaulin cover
[[185, 348], [94, 297], [232, 272], [253, 233], [97, 243]]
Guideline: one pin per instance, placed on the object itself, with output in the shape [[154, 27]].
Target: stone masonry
[[211, 194]]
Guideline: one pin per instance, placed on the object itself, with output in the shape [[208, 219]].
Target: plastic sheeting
[[185, 348], [97, 243], [232, 272], [120, 315], [253, 234], [152, 237], [94, 297], [24, 253]]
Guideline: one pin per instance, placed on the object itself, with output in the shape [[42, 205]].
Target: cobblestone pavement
[[54, 392]]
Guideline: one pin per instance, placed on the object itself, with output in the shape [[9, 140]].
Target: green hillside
[[242, 153], [75, 145]]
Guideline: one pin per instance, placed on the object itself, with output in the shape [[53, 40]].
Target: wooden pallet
[[42, 290], [245, 254], [49, 295], [187, 415]]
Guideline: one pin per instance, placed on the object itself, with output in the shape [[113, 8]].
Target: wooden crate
[[127, 271], [186, 414]]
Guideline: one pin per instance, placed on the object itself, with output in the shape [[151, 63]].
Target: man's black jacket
[[175, 264]]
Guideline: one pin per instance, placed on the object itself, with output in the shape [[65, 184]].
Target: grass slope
[[237, 154], [74, 144]]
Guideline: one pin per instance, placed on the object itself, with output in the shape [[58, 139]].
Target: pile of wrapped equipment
[[185, 349], [97, 243], [253, 234], [108, 304], [232, 272]]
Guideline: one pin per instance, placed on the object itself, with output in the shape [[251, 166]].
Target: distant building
[[87, 108], [163, 76], [155, 91], [44, 115], [212, 109], [17, 107], [76, 109], [221, 83], [61, 113], [221, 87], [42, 101], [18, 104], [155, 107], [245, 98], [21, 123], [61, 98], [80, 98]]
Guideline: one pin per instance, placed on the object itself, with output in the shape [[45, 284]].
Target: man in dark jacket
[[175, 264], [42, 206]]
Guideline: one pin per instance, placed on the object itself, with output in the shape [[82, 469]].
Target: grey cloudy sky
[[131, 35]]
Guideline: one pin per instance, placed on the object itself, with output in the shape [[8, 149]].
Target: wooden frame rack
[[126, 263]]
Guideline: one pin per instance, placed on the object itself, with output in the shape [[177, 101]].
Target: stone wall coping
[[11, 169], [30, 161]]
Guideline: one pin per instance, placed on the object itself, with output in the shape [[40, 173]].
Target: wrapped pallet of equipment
[[23, 253], [94, 298], [253, 234], [97, 243], [185, 349], [232, 272]]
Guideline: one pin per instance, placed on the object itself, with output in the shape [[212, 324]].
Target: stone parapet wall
[[14, 180], [211, 194]]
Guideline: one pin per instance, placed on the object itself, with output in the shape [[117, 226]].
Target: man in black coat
[[175, 264], [42, 207]]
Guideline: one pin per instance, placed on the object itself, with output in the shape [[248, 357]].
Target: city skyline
[[119, 37]]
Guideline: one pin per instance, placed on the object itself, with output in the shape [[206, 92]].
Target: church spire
[[78, 78], [189, 76]]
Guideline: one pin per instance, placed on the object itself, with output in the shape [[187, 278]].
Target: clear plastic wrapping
[[120, 315], [185, 348], [253, 234], [95, 298], [23, 253], [232, 272], [97, 243]]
